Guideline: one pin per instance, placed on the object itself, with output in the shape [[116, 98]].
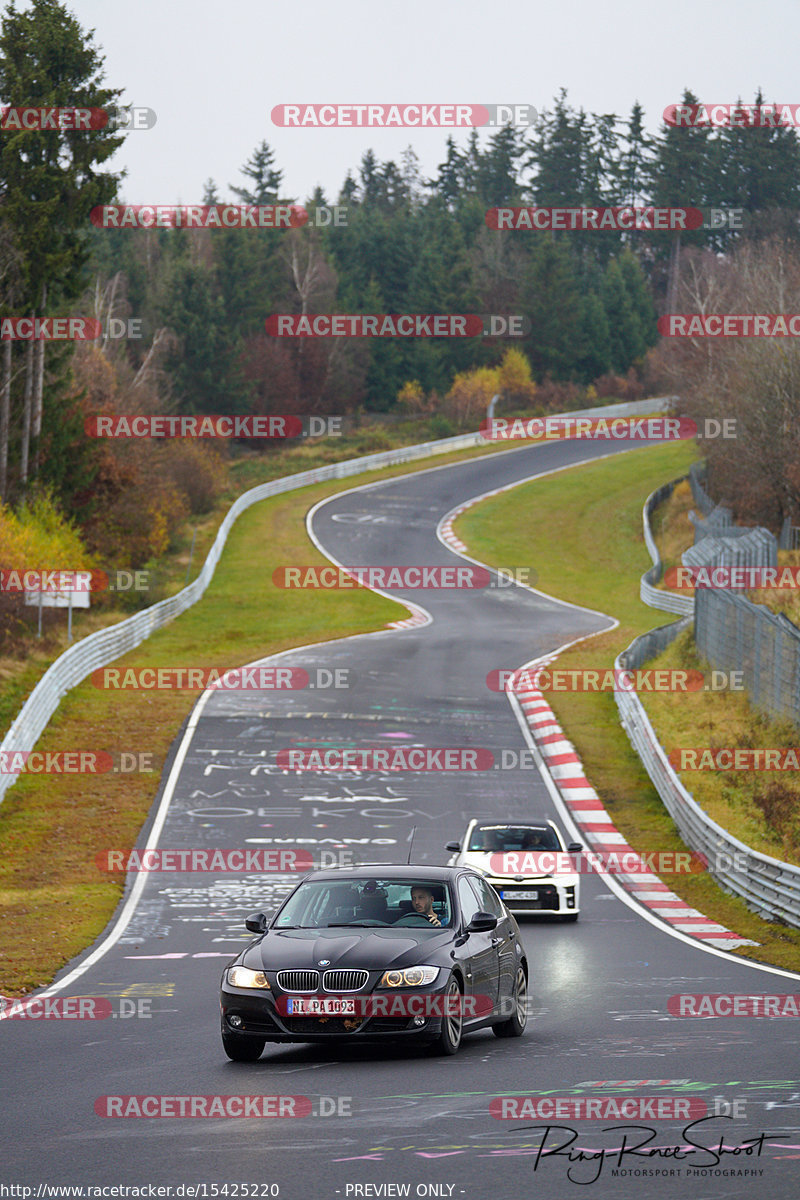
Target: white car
[[527, 864]]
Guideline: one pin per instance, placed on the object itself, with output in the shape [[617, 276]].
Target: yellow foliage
[[38, 537], [514, 376], [471, 392]]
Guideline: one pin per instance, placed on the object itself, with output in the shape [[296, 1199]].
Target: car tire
[[242, 1049], [515, 1025], [569, 917], [449, 1040]]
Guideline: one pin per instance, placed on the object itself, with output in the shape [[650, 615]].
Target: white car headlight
[[409, 977], [243, 977]]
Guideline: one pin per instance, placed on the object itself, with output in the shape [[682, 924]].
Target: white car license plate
[[320, 1006], [520, 895]]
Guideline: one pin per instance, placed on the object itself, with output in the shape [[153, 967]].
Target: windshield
[[492, 839], [324, 903]]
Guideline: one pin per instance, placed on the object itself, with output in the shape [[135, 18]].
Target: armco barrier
[[769, 887], [102, 647], [671, 602]]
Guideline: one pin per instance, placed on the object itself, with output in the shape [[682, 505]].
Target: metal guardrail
[[671, 602], [768, 886], [697, 479], [102, 647]]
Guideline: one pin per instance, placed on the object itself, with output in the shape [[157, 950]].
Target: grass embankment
[[54, 899], [581, 532]]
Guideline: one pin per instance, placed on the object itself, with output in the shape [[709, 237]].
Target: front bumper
[[260, 1017], [552, 896]]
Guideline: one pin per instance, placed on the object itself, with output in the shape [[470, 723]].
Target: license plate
[[320, 1006], [520, 895]]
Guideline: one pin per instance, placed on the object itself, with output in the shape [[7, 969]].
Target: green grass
[[581, 532]]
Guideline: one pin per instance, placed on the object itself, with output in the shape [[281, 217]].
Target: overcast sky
[[213, 71]]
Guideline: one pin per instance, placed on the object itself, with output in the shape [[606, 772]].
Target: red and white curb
[[408, 622], [587, 811], [446, 529]]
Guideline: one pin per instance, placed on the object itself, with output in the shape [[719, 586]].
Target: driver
[[422, 904]]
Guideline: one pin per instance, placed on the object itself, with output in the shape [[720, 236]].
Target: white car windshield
[[493, 839]]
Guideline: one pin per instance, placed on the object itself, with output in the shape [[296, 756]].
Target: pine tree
[[202, 367], [499, 182], [266, 179], [593, 350], [681, 176], [625, 332], [640, 296], [759, 171], [50, 180], [550, 295], [210, 193], [634, 166], [448, 185], [558, 154]]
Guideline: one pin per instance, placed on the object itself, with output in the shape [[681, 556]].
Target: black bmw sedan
[[379, 953]]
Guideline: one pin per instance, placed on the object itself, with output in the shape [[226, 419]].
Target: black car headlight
[[243, 977], [408, 977]]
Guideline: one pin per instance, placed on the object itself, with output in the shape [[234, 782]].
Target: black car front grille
[[298, 981], [344, 981], [323, 1025]]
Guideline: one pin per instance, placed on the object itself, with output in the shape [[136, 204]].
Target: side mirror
[[257, 922], [482, 922], [574, 847], [454, 846]]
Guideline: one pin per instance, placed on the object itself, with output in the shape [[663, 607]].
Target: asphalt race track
[[599, 1023]]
